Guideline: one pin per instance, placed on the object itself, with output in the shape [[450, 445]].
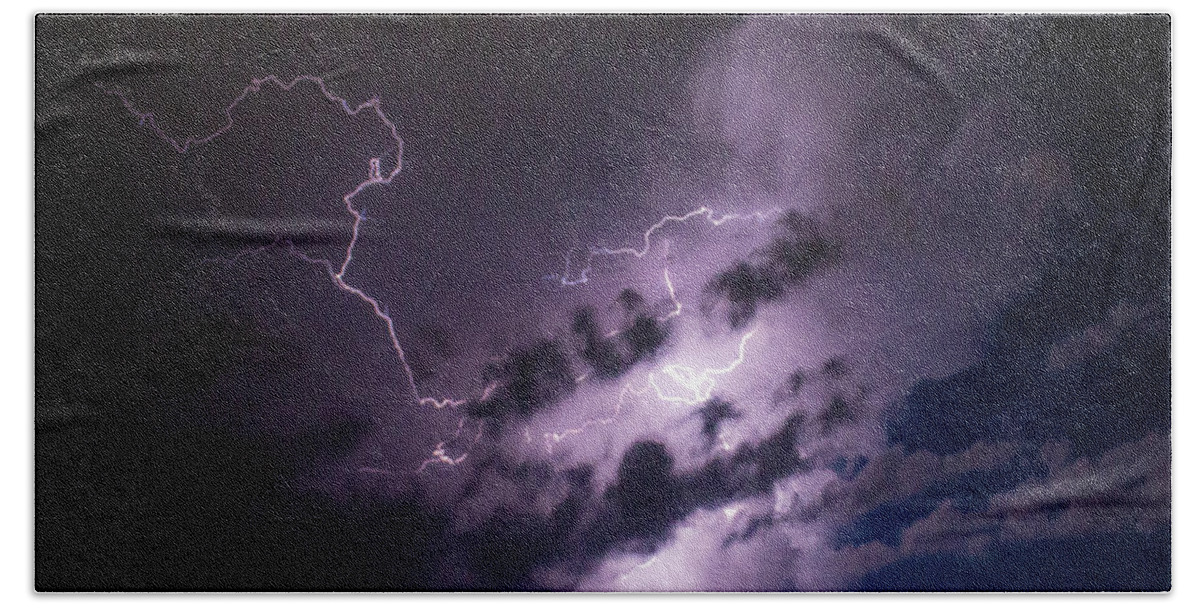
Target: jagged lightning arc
[[700, 383], [375, 176], [709, 215], [336, 271]]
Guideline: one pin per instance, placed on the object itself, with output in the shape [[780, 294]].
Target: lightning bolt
[[699, 383], [550, 439], [707, 214], [674, 300], [439, 451], [337, 271]]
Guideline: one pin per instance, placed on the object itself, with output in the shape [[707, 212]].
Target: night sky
[[689, 303]]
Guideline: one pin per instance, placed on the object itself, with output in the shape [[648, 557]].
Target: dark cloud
[[1022, 388], [786, 262], [504, 552], [745, 286], [646, 499], [835, 367], [517, 542], [917, 510], [639, 338], [534, 376], [242, 232], [712, 413], [751, 469], [529, 379], [649, 496], [848, 468], [795, 381], [631, 300], [1134, 475], [643, 337], [1093, 562], [636, 513], [967, 491], [1007, 177], [602, 354], [838, 413]]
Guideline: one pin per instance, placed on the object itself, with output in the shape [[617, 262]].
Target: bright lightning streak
[[374, 177], [337, 272], [703, 211], [552, 438], [700, 383], [671, 315], [439, 451], [674, 300], [708, 214]]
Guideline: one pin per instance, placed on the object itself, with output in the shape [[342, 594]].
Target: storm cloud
[[882, 302]]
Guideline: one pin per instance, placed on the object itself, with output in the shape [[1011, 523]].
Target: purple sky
[[695, 303]]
